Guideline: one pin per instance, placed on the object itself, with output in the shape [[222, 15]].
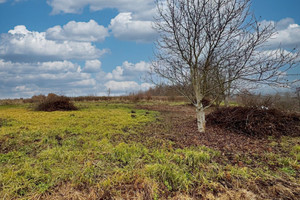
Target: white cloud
[[126, 78], [20, 88], [116, 74], [78, 31], [83, 83], [92, 66], [138, 67], [129, 71], [284, 23], [276, 53], [287, 34], [126, 86], [19, 79], [124, 27], [2, 1], [142, 9], [27, 79], [38, 68], [23, 45], [21, 30]]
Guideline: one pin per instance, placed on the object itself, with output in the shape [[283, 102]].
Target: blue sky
[[84, 47]]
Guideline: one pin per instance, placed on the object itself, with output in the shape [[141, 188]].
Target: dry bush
[[136, 97], [11, 101], [148, 96], [54, 102], [38, 98], [92, 98], [286, 102], [255, 101], [283, 102], [171, 98]]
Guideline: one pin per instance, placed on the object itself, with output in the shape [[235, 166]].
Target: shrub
[[250, 100], [54, 102], [281, 101]]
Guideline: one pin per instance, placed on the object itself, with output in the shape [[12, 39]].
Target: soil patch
[[178, 124]]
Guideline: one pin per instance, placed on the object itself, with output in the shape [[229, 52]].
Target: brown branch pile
[[54, 102], [256, 121]]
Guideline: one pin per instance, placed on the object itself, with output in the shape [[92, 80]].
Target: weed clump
[[2, 121], [256, 121], [54, 102]]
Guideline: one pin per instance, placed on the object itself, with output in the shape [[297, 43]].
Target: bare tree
[[206, 46]]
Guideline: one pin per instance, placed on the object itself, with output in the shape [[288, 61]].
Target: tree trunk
[[226, 102], [200, 118]]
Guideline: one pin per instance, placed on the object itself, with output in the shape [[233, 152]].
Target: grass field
[[115, 151]]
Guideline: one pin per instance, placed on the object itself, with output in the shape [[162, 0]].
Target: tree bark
[[226, 102], [200, 118]]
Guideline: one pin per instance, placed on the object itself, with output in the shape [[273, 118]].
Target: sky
[[87, 47]]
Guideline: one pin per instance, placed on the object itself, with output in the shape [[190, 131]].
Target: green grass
[[39, 150], [98, 147]]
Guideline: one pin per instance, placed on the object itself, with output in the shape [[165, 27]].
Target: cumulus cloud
[[138, 67], [142, 9], [23, 45], [92, 66], [26, 79], [78, 31], [129, 71], [126, 78], [124, 27], [38, 68], [116, 74], [287, 34], [126, 86], [19, 79]]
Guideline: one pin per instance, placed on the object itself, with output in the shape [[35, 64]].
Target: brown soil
[[180, 121]]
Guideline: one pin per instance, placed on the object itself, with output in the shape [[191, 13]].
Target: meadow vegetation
[[111, 150]]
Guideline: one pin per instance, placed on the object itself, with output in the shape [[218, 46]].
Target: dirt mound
[[56, 103], [255, 121]]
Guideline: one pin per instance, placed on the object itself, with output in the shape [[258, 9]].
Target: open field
[[149, 150]]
